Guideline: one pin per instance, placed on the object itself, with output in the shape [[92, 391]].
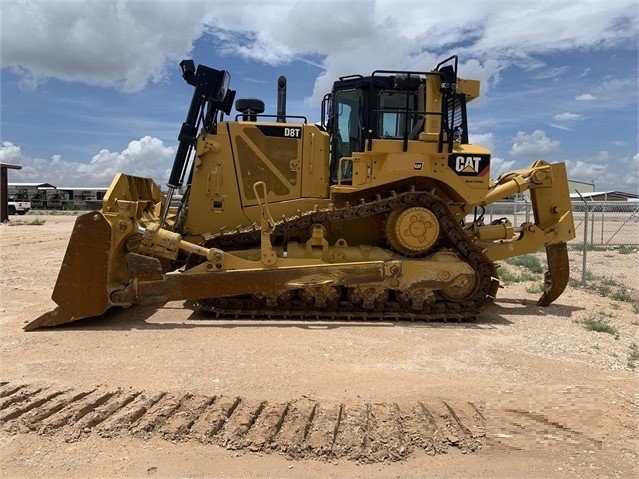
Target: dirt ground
[[165, 391]]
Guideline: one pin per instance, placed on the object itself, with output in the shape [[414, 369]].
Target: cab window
[[347, 130], [397, 115]]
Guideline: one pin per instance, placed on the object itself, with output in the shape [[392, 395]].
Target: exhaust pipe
[[281, 99]]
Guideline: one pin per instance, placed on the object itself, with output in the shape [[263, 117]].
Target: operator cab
[[388, 105]]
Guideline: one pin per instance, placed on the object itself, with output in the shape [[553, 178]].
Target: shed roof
[[590, 194], [32, 185], [83, 188]]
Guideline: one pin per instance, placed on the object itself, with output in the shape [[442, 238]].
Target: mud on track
[[365, 432]]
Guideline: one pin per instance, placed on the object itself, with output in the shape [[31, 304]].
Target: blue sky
[[93, 87]]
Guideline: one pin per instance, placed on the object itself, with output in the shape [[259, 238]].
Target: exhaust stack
[[281, 99]]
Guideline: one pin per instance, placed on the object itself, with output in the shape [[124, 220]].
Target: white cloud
[[536, 144], [368, 34], [608, 173], [551, 73], [107, 43], [561, 127], [127, 43], [585, 169], [487, 140], [613, 93], [584, 73], [10, 153], [600, 157], [499, 166], [567, 117], [146, 157]]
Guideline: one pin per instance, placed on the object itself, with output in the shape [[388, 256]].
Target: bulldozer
[[374, 212]]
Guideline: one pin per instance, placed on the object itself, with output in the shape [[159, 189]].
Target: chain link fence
[[606, 245]]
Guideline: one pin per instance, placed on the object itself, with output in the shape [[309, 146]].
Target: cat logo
[[469, 165]]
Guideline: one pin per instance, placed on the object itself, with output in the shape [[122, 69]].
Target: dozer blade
[[556, 278], [81, 289]]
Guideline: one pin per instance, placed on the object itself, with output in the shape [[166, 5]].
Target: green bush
[[597, 322], [508, 277], [606, 287], [535, 288], [622, 294], [527, 261], [633, 356], [34, 222]]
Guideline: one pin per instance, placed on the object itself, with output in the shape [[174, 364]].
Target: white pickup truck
[[18, 207]]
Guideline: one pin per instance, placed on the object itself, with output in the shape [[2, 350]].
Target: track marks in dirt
[[364, 432]]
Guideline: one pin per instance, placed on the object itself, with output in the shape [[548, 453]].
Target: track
[[301, 429], [452, 237]]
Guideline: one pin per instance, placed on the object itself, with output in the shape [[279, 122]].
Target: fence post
[[603, 211], [592, 226], [523, 197], [585, 245]]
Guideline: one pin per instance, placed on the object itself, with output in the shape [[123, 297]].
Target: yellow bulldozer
[[377, 211]]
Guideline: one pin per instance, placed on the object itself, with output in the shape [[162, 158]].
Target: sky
[[92, 88]]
